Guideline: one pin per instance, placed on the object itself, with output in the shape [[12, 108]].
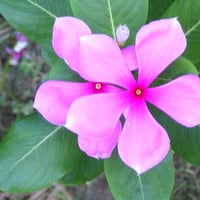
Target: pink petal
[[94, 115], [66, 38], [129, 55], [179, 98], [101, 60], [143, 143], [53, 99], [157, 45], [100, 147]]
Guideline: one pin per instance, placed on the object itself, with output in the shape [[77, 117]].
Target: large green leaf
[[35, 154], [60, 71], [86, 170], [157, 8], [34, 18], [179, 67], [104, 16], [189, 16], [124, 183]]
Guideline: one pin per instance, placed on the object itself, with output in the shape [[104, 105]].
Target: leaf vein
[[111, 19], [192, 28], [41, 8], [141, 187], [34, 148]]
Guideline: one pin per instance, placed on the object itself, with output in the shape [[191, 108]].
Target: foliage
[[40, 153]]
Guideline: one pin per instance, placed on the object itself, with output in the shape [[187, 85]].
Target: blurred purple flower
[[19, 49]]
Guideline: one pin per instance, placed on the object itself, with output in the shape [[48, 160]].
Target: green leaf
[[35, 154], [104, 16], [124, 183], [189, 16], [34, 18], [85, 171], [179, 67], [157, 8], [60, 71]]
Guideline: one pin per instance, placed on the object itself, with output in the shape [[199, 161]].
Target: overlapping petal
[[101, 60], [130, 57], [179, 98], [100, 147], [143, 143], [157, 45], [53, 99], [66, 38], [96, 115]]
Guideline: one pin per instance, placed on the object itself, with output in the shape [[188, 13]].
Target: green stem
[[4, 73]]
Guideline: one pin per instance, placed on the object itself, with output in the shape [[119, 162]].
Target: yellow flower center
[[138, 92], [98, 86]]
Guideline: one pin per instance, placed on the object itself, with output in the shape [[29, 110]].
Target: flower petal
[[53, 99], [95, 115], [157, 45], [66, 38], [130, 57], [101, 60], [100, 147], [179, 98], [143, 143]]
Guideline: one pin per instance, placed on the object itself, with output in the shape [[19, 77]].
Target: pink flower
[[94, 117], [54, 97]]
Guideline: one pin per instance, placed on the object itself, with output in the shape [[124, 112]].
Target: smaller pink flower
[[54, 97]]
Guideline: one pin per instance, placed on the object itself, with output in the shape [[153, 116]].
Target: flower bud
[[122, 34]]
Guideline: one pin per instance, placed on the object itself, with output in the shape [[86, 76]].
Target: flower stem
[[4, 73]]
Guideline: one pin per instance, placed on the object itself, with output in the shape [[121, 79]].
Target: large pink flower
[[143, 143]]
